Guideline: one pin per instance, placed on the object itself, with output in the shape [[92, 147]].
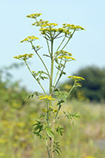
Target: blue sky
[[86, 46]]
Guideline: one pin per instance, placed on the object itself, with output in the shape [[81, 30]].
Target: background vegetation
[[83, 137], [93, 87]]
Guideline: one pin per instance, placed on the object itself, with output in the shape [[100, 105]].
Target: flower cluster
[[62, 52], [72, 27], [53, 30], [40, 22], [34, 15], [49, 25], [36, 48], [66, 57], [64, 30], [43, 97], [29, 39], [24, 57], [48, 30], [76, 77]]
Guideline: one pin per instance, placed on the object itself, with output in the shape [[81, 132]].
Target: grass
[[79, 139]]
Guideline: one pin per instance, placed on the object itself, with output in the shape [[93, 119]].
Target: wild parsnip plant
[[47, 125]]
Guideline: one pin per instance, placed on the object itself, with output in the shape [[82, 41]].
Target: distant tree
[[93, 87]]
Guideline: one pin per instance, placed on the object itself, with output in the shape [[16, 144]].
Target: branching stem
[[40, 58], [34, 77]]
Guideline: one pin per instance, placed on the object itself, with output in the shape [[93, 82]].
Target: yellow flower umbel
[[73, 27], [76, 77], [43, 97], [66, 57], [34, 15], [24, 57], [29, 39]]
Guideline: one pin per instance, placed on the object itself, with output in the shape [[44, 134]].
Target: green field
[[82, 137]]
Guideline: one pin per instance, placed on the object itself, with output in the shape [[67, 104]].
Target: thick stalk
[[47, 113], [52, 138], [50, 91], [48, 47], [52, 67]]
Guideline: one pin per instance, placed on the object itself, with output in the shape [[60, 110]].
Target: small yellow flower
[[55, 110], [33, 72], [76, 77], [66, 57], [43, 97]]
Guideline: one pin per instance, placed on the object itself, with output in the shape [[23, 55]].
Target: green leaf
[[38, 127], [49, 131], [35, 93], [60, 129], [64, 73], [71, 116], [61, 95], [60, 102], [57, 148]]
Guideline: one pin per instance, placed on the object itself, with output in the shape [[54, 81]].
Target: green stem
[[52, 146], [68, 39], [72, 88], [48, 152], [60, 75], [52, 67], [57, 111], [47, 114], [57, 35], [34, 77], [61, 43], [52, 138], [57, 73], [40, 59], [62, 49], [56, 77], [48, 46]]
